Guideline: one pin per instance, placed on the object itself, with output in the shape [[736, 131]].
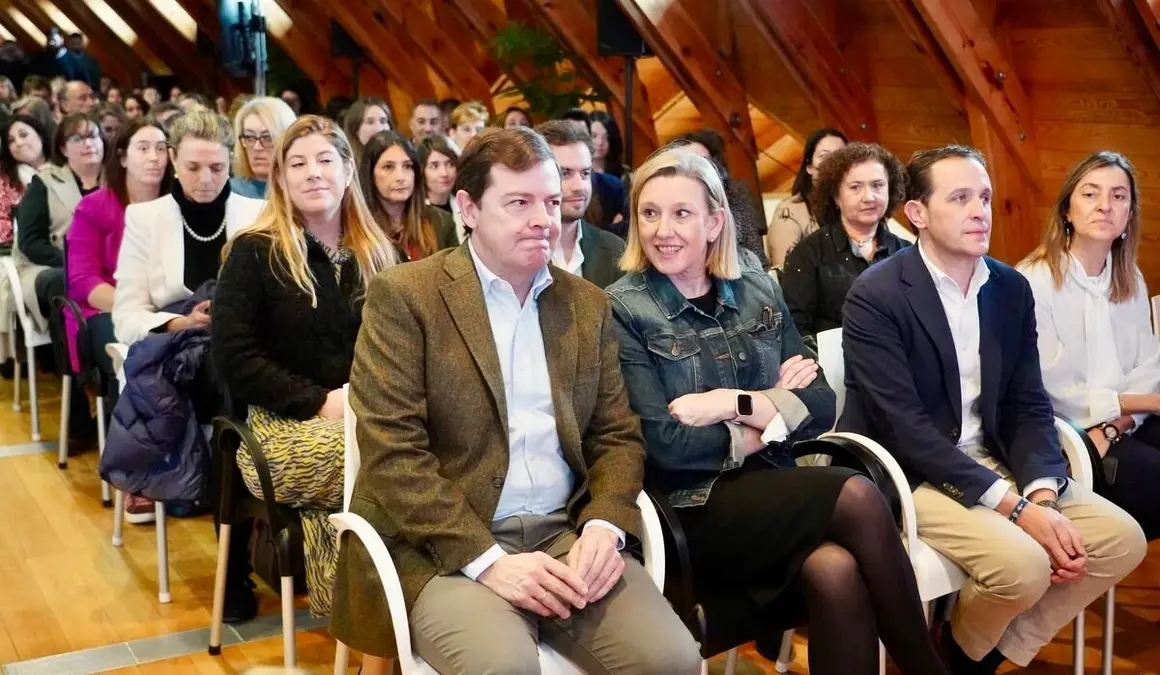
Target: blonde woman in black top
[[287, 310]]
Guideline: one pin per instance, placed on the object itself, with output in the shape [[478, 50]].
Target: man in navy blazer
[[942, 369]]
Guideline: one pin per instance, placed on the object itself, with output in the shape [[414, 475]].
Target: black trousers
[[1137, 475]]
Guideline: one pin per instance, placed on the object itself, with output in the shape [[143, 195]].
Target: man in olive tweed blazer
[[442, 401]]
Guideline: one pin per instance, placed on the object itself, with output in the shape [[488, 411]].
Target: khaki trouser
[[460, 626], [1009, 601]]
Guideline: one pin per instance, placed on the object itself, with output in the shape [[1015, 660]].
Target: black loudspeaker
[[615, 34], [342, 44]]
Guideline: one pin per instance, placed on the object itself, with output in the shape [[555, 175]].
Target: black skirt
[[759, 526]]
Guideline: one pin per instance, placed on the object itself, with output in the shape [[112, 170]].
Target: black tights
[[859, 587]]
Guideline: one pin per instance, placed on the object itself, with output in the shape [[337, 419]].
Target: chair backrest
[[350, 449], [1156, 314], [9, 264], [833, 365]]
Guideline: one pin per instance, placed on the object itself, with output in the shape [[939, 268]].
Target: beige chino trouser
[[1009, 601]]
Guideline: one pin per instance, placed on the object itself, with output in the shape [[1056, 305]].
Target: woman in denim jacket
[[723, 385]]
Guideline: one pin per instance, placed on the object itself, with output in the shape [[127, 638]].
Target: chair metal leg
[[731, 662], [65, 400], [106, 500], [289, 659], [33, 401], [219, 590], [1078, 644], [162, 554], [341, 658], [15, 367], [1109, 630], [118, 517], [785, 654]]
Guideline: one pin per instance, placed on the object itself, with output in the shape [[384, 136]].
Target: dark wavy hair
[[614, 162], [833, 171], [803, 185], [8, 164]]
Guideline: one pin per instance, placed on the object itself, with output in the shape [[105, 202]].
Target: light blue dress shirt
[[539, 480]]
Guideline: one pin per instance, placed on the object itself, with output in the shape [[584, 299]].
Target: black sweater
[[271, 348]]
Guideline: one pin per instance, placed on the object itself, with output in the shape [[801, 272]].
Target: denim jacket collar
[[672, 302]]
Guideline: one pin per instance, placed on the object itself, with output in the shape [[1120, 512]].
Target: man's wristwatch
[[744, 404], [1111, 433], [1049, 504]]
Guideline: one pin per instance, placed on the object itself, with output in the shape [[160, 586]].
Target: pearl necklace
[[198, 237]]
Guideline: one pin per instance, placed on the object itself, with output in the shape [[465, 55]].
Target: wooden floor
[[64, 587]]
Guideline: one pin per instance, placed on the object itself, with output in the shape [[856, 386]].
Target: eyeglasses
[[77, 138], [265, 140]]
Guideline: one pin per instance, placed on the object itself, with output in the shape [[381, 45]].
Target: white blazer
[[151, 265]]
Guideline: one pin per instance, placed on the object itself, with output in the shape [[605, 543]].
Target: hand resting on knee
[[536, 582]]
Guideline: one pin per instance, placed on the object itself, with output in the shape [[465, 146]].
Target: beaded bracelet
[[1018, 509]]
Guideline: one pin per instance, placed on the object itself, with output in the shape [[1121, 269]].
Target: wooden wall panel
[[1086, 96], [912, 108]]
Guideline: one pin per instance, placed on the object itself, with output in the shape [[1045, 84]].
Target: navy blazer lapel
[[990, 347], [927, 306]]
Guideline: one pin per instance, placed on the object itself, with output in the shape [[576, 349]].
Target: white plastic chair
[[551, 662], [937, 576], [118, 352], [32, 339], [1156, 314]]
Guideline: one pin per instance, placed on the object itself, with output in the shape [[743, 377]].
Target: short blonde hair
[[204, 124], [276, 116], [721, 261], [472, 111]]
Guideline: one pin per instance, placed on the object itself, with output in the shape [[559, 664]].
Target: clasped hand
[[548, 587], [1060, 538]]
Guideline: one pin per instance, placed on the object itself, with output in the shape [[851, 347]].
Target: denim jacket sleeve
[[671, 446], [818, 398]]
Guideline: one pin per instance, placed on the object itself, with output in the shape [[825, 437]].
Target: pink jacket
[[93, 243]]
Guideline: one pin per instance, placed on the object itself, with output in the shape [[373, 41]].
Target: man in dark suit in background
[[943, 370], [584, 249], [500, 459]]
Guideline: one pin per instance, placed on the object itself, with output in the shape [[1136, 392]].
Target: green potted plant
[[539, 70]]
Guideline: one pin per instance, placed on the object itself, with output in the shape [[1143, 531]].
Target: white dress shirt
[[539, 480], [1093, 350], [962, 312], [576, 262]]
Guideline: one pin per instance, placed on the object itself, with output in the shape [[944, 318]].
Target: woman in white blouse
[[1101, 359]]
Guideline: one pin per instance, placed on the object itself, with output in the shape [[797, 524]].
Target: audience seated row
[[501, 434]]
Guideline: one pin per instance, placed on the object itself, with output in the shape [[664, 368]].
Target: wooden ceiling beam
[[116, 62], [988, 76], [452, 63], [575, 28], [1130, 23], [925, 43], [379, 36], [96, 30], [160, 36], [452, 23], [332, 80], [708, 80], [299, 45], [26, 41], [815, 62]]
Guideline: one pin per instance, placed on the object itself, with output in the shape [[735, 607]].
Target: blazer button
[[741, 355], [956, 432], [497, 483]]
